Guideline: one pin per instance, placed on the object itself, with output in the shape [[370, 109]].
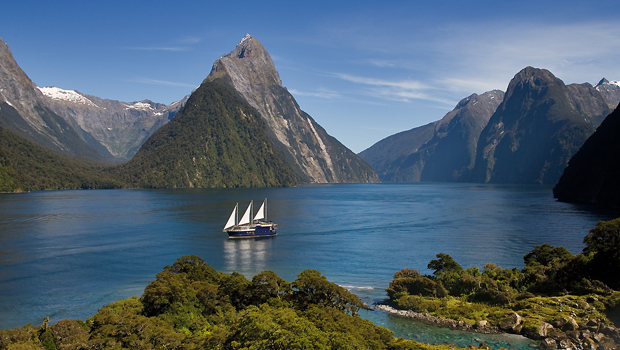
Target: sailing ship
[[249, 227]]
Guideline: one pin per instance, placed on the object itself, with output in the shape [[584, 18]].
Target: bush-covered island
[[566, 301], [191, 306]]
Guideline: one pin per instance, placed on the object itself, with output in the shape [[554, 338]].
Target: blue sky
[[364, 70]]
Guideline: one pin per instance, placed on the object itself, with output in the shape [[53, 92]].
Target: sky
[[364, 70]]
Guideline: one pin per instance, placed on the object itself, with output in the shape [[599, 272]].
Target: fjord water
[[64, 254]]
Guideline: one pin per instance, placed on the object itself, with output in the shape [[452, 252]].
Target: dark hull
[[261, 230]]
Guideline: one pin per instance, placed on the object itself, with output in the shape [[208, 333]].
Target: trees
[[546, 254], [312, 288], [603, 242], [444, 264]]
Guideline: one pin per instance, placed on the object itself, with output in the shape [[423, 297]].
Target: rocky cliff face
[[441, 151], [121, 127], [216, 140], [536, 129], [317, 157], [23, 110]]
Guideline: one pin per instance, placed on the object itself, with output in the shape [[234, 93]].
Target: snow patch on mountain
[[65, 95], [143, 106]]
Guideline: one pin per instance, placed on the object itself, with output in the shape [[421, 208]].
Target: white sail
[[231, 220], [245, 219], [260, 214]]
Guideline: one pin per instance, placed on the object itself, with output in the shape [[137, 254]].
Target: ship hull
[[260, 230]]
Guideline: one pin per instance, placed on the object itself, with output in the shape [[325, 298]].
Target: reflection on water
[[246, 255]]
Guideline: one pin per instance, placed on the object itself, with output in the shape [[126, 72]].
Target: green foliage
[[444, 264], [420, 285], [195, 268], [310, 288], [25, 166], [546, 254], [267, 285], [119, 325], [554, 285], [26, 337], [275, 328], [190, 306], [603, 242], [216, 140]]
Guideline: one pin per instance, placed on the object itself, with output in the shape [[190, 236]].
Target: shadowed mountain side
[[441, 151], [216, 140], [26, 166], [395, 157], [536, 129], [592, 173], [316, 157]]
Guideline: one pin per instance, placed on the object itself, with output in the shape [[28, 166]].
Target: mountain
[[216, 140], [316, 156], [538, 126], [26, 166], [444, 150], [610, 91], [24, 111], [592, 173], [120, 127]]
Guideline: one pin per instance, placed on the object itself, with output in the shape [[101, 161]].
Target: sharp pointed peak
[[246, 37]]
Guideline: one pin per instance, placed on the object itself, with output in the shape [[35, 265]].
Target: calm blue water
[[64, 254]]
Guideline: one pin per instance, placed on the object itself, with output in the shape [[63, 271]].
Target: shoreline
[[440, 321]]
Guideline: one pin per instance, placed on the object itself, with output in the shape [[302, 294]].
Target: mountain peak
[[602, 82], [317, 157], [246, 37], [248, 64]]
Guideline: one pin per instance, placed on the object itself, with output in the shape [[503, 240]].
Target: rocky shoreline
[[481, 327], [566, 334]]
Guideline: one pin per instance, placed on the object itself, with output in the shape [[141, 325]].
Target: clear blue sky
[[363, 69]]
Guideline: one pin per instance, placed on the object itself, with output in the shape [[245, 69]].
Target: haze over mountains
[[523, 137]]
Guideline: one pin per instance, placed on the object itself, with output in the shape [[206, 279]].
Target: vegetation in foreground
[[566, 300], [191, 306]]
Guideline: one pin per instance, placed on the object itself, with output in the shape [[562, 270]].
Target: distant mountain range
[[285, 145], [525, 136], [444, 150], [120, 127]]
